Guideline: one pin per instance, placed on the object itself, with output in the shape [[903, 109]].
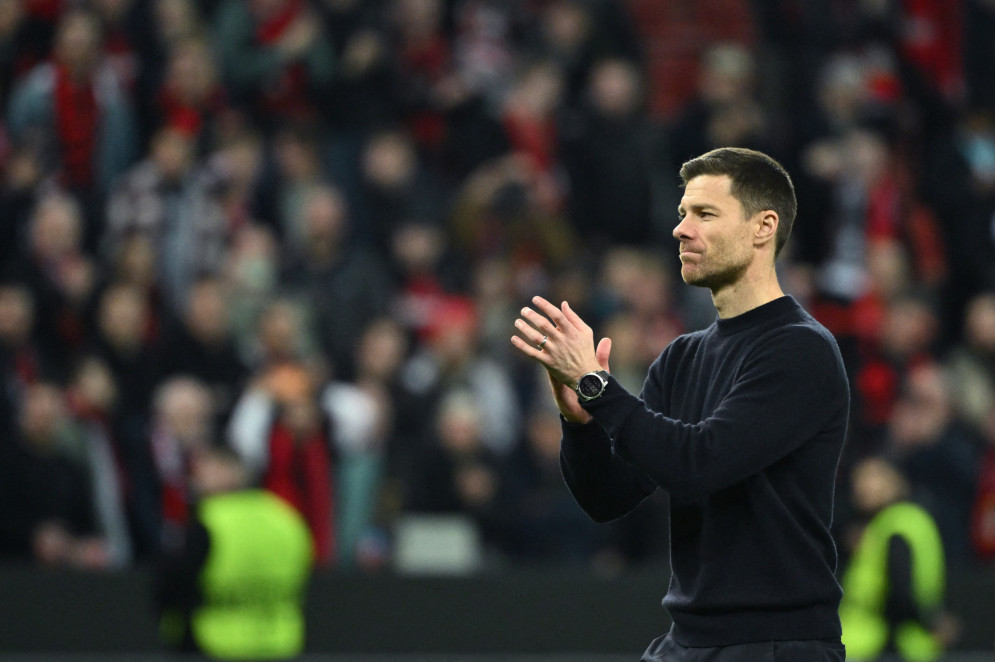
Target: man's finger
[[529, 350], [529, 334], [538, 321], [550, 310], [603, 351], [573, 317]]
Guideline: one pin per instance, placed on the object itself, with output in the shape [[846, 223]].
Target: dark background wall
[[517, 612]]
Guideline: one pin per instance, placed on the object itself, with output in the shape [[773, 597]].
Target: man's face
[[716, 245]]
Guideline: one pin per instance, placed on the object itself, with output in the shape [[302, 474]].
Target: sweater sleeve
[[787, 388], [605, 486]]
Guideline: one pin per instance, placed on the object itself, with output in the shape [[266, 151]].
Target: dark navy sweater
[[743, 424]]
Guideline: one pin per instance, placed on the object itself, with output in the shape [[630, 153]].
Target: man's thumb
[[602, 352]]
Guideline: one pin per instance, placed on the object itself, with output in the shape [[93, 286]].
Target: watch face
[[590, 386]]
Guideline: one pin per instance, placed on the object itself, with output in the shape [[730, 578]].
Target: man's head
[[738, 207], [758, 182]]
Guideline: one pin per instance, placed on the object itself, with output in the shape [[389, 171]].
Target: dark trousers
[[666, 649]]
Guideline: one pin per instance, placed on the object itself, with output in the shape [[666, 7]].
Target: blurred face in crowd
[[716, 243], [418, 19], [172, 152], [122, 317], [215, 471], [184, 408], [94, 385], [910, 326], [458, 424], [191, 73], [175, 19], [876, 484], [382, 349], [843, 88], [566, 25], [615, 88], [924, 410], [43, 412], [56, 227], [78, 42], [296, 157], [544, 434], [537, 92], [17, 315], [389, 161], [418, 247], [207, 314], [324, 217], [136, 261], [280, 330], [727, 75], [979, 324], [112, 10]]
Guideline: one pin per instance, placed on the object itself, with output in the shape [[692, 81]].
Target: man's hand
[[560, 340]]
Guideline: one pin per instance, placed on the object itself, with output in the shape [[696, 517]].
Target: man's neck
[[751, 291]]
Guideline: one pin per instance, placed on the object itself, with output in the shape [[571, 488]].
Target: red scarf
[[983, 517], [300, 472], [76, 124], [271, 29]]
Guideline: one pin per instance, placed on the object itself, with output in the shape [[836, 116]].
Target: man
[[233, 588], [895, 581], [742, 423]]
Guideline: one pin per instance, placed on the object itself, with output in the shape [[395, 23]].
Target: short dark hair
[[758, 182]]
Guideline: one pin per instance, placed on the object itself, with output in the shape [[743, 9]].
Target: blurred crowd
[[302, 229]]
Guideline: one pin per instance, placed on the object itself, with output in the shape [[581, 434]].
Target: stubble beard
[[713, 279]]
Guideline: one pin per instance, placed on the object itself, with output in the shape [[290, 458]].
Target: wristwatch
[[592, 385]]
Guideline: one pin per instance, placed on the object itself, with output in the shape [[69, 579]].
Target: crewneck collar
[[756, 316]]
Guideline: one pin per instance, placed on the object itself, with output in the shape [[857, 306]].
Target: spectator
[[543, 523], [190, 98], [276, 58], [726, 111], [163, 197], [616, 158], [972, 363], [47, 510], [233, 586], [22, 360], [90, 397], [181, 426], [61, 274], [895, 584], [202, 346], [297, 173], [331, 276], [250, 276], [450, 360], [395, 189], [937, 454], [124, 340], [76, 103], [456, 473], [284, 438]]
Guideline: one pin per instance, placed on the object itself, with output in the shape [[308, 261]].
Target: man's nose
[[682, 230]]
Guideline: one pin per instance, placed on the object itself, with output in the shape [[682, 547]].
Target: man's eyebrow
[[698, 207]]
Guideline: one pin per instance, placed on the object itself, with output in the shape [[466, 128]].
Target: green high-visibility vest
[[253, 582], [865, 586]]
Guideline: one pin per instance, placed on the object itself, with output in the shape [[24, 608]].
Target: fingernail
[[525, 311]]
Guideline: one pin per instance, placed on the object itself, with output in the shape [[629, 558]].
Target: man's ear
[[766, 227]]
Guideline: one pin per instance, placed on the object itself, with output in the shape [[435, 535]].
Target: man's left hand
[[558, 339]]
